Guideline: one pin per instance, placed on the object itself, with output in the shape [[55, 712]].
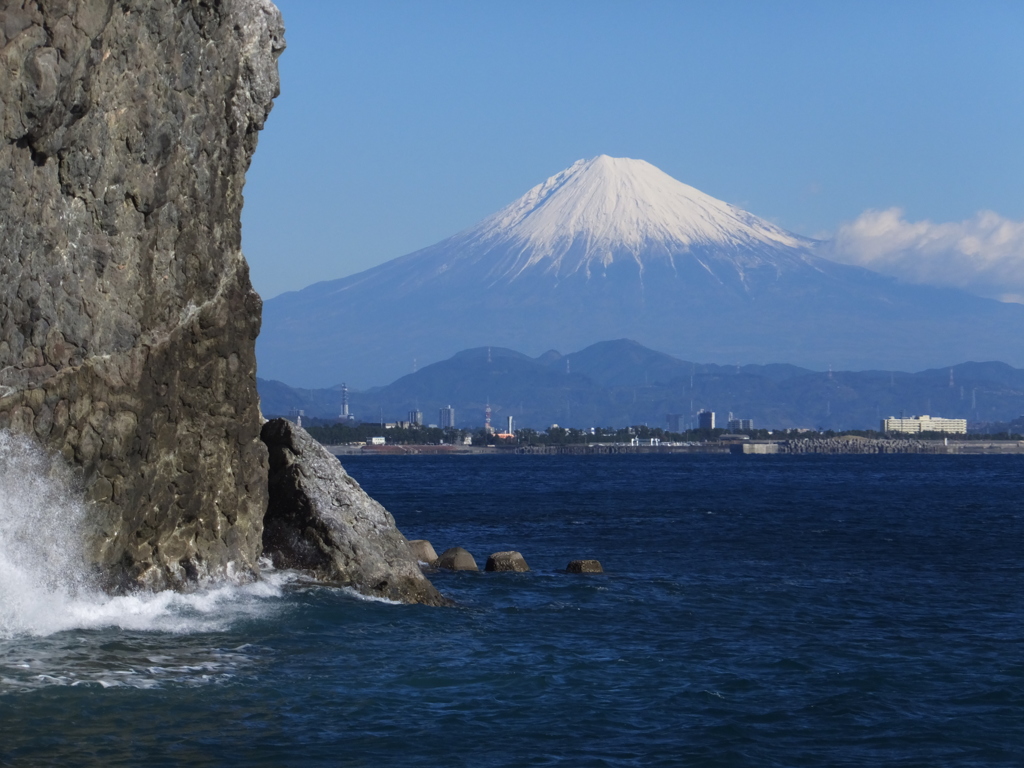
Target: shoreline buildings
[[740, 425], [447, 418], [917, 424], [705, 419]]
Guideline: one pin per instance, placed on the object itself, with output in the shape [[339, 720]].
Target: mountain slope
[[613, 248]]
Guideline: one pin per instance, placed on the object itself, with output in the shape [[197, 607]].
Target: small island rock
[[506, 561], [585, 566], [456, 559]]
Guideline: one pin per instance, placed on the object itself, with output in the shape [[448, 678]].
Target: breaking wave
[[45, 585]]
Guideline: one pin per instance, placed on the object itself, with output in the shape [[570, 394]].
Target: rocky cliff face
[[127, 320]]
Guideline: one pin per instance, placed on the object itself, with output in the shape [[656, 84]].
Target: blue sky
[[401, 123]]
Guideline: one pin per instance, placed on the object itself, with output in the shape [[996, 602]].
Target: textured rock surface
[[321, 521], [127, 320], [456, 559], [423, 551], [506, 561]]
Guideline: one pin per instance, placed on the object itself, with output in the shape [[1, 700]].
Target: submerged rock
[[320, 520], [585, 566], [423, 551], [456, 559], [506, 561], [127, 319]]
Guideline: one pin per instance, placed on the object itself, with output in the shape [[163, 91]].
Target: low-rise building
[[917, 424]]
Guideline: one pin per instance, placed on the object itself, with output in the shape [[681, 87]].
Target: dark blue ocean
[[755, 611]]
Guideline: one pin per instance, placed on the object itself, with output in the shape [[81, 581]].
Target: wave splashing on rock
[[42, 563], [48, 586]]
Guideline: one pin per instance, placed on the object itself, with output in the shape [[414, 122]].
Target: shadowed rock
[[423, 551], [584, 566], [456, 559], [320, 520], [127, 320], [506, 561]]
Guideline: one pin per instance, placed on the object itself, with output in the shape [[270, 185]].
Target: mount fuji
[[612, 248]]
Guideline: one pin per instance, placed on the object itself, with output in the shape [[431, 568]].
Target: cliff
[[127, 319]]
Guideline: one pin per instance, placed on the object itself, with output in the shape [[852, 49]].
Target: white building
[[915, 424]]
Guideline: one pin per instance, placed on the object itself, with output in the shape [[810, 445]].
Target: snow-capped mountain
[[604, 209], [611, 248], [601, 216]]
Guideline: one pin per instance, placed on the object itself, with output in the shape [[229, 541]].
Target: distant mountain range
[[612, 248], [621, 383]]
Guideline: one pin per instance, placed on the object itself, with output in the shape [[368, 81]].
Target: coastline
[[834, 445]]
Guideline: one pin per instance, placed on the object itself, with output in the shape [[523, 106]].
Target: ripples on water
[[755, 611]]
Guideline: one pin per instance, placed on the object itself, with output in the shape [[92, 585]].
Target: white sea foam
[[46, 663], [369, 598], [44, 582]]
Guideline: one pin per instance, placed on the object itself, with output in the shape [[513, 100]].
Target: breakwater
[[812, 445], [866, 446], [607, 449], [591, 449], [860, 446]]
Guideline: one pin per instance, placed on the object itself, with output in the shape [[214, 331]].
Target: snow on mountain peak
[[609, 205]]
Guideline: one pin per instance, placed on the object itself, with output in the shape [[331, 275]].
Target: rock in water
[[456, 559], [507, 561], [584, 566], [127, 319], [423, 551], [320, 520]]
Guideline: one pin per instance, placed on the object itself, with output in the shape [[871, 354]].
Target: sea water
[[754, 611]]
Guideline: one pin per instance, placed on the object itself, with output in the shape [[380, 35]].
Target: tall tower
[[446, 417], [345, 415], [487, 419]]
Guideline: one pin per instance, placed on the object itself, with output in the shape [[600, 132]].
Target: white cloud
[[983, 255]]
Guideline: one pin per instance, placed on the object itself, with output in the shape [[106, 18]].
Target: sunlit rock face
[[127, 319], [321, 521]]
